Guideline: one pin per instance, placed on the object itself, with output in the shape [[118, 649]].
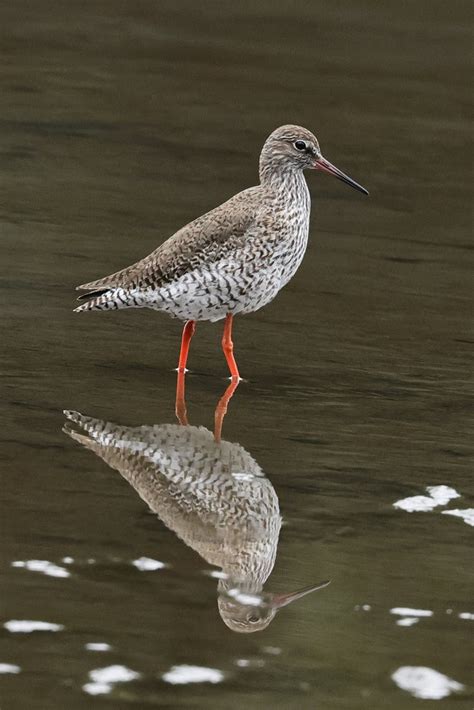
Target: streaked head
[[291, 148]]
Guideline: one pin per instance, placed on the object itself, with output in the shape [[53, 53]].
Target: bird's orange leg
[[228, 348], [180, 407], [221, 409], [188, 332]]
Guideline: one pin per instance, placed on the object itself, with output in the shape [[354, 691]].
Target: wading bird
[[213, 495], [235, 258]]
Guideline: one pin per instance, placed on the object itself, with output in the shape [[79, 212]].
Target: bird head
[[291, 148], [246, 612]]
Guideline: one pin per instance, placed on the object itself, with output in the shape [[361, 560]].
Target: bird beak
[[281, 600], [326, 167]]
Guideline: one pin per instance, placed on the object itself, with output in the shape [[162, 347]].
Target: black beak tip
[[359, 188], [352, 183]]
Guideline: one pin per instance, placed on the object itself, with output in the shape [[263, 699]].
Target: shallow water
[[120, 123]]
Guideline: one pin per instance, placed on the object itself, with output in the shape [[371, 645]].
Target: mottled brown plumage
[[213, 495], [235, 258], [204, 239]]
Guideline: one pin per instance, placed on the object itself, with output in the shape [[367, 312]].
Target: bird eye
[[253, 619], [300, 145]]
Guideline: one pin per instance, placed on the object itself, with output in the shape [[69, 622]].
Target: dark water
[[122, 121]]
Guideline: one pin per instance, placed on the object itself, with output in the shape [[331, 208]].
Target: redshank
[[213, 495], [235, 258]]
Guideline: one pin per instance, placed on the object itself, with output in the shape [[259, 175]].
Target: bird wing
[[202, 241]]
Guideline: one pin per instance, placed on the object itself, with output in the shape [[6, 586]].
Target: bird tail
[[95, 434], [104, 300], [92, 294], [90, 425]]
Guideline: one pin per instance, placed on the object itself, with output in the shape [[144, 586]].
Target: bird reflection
[[211, 493]]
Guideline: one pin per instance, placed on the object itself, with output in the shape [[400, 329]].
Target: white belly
[[241, 283]]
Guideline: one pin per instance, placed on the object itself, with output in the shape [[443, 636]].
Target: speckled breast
[[242, 282]]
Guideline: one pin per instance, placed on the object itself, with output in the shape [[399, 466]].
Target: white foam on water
[[97, 688], [407, 611], [67, 560], [466, 615], [272, 650], [215, 574], [147, 564], [184, 674], [407, 621], [9, 668], [24, 626], [43, 566], [250, 662], [442, 494], [438, 495], [102, 680], [93, 646], [426, 683], [409, 616], [467, 514], [415, 504], [243, 662]]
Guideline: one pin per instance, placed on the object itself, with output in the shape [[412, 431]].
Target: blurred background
[[120, 122]]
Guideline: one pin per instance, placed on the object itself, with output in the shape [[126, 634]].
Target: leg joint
[[227, 344]]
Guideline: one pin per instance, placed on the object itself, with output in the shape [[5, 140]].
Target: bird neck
[[284, 180]]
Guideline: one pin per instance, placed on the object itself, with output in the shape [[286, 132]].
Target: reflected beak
[[326, 167], [281, 600]]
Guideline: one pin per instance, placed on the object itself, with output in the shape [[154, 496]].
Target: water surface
[[120, 123]]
